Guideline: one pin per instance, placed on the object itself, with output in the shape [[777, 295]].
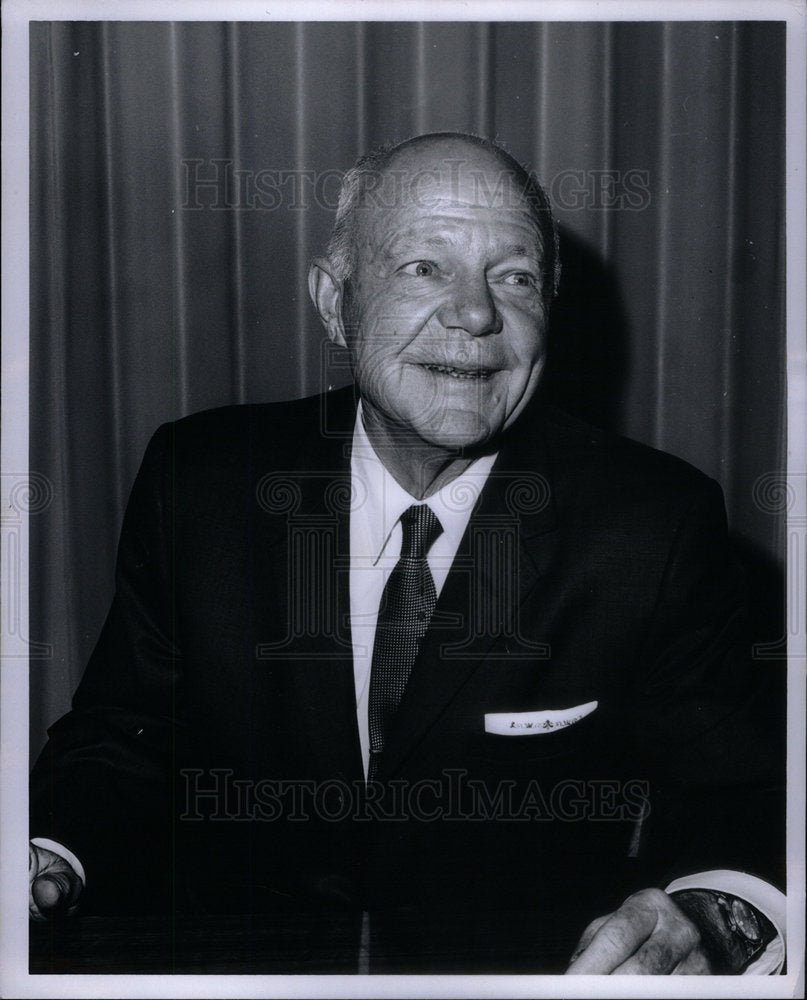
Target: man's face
[[445, 319]]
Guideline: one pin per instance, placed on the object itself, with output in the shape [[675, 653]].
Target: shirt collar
[[378, 499]]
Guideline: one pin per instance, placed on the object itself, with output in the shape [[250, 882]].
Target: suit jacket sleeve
[[101, 785], [710, 717]]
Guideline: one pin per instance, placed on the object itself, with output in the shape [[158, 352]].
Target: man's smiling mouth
[[461, 373]]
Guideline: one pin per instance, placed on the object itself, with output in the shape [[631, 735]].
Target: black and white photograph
[[404, 499]]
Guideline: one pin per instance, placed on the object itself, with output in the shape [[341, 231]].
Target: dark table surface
[[295, 942]]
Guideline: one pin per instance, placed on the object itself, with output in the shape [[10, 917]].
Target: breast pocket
[[522, 737]]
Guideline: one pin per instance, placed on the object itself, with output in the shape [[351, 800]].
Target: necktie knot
[[421, 527]]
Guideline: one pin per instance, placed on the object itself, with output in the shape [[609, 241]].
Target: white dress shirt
[[375, 547]]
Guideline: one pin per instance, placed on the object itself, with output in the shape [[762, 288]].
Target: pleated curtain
[[184, 174]]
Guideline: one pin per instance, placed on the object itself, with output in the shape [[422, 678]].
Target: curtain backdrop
[[183, 174]]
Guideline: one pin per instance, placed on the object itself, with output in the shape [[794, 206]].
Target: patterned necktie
[[406, 607]]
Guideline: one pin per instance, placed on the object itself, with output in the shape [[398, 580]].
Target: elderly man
[[428, 650]]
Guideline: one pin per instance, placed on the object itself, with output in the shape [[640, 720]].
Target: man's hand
[[53, 886], [648, 935]]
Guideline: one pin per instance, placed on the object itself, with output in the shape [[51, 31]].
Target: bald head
[[410, 173]]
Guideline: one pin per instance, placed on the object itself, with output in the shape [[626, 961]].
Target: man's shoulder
[[307, 412], [282, 430], [602, 464]]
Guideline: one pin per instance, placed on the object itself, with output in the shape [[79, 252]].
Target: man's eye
[[419, 268], [520, 279]]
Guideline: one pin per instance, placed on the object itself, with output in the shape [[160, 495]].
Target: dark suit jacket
[[593, 569]]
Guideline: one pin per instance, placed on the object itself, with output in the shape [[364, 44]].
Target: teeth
[[482, 373]]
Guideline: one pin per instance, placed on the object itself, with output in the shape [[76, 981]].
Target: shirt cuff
[[761, 895], [63, 852]]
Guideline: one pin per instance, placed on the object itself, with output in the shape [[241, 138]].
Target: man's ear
[[326, 294]]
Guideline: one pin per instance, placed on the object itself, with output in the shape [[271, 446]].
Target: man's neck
[[420, 467]]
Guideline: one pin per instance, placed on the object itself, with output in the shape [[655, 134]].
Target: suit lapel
[[505, 551], [311, 581], [509, 542]]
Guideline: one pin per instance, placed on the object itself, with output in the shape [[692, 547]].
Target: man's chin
[[462, 432]]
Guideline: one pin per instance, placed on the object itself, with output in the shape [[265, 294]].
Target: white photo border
[[16, 16]]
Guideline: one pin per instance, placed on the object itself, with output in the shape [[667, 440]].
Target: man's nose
[[470, 307]]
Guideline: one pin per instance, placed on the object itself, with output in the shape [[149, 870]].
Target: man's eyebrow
[[520, 250], [410, 241], [407, 241]]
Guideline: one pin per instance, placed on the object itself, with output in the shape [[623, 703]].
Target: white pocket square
[[535, 723]]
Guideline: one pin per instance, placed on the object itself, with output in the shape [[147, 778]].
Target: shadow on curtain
[[182, 176]]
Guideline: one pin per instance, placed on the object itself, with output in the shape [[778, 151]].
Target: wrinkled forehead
[[420, 179], [416, 186]]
